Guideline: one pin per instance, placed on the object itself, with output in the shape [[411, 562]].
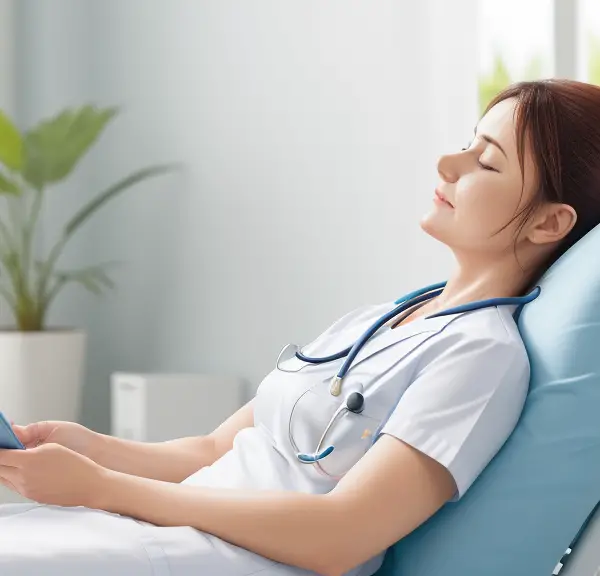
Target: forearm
[[304, 530], [170, 461]]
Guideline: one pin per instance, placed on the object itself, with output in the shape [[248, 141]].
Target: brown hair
[[560, 121]]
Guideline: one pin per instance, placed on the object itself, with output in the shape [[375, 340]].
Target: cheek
[[482, 216], [486, 210]]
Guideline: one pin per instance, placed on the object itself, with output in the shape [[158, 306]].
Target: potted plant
[[41, 366]]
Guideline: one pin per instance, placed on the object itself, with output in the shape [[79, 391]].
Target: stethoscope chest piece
[[355, 403]]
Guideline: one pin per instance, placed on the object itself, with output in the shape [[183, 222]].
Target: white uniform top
[[453, 387]]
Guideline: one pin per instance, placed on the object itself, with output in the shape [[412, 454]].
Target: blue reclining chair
[[524, 511]]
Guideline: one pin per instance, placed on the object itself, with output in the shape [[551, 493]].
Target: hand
[[69, 434], [52, 474]]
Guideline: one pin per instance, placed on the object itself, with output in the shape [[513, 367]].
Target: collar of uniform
[[386, 336], [382, 339]]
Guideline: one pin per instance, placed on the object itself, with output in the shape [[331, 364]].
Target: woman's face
[[482, 188]]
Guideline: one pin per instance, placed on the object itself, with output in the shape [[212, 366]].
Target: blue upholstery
[[523, 511]]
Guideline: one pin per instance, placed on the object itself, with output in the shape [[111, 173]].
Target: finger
[[12, 458], [8, 484], [40, 431], [29, 435], [23, 433], [8, 478], [8, 473], [20, 431]]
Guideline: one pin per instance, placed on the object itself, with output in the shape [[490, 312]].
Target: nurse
[[326, 467]]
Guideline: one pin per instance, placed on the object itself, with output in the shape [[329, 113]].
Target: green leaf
[[112, 192], [11, 144], [8, 186], [11, 265], [88, 283], [8, 296], [54, 147], [6, 240], [10, 261], [86, 212], [93, 278]]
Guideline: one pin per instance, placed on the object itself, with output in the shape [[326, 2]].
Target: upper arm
[[463, 405], [391, 491], [452, 420], [223, 435]]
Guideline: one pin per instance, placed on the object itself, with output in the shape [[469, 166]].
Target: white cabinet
[[157, 407]]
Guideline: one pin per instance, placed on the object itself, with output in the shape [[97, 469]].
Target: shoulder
[[467, 393], [481, 351], [489, 332]]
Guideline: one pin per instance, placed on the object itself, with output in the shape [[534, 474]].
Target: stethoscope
[[354, 401]]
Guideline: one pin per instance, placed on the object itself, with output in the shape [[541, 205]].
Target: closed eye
[[481, 164], [486, 167]]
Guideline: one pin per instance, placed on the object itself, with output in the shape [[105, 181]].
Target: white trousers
[[40, 540]]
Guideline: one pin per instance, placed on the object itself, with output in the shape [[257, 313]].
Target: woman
[[263, 493]]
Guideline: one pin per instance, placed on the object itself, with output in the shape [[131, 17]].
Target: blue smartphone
[[8, 439]]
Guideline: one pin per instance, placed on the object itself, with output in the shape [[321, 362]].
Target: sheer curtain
[[309, 133]]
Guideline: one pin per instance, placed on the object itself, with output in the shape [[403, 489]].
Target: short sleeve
[[463, 404]]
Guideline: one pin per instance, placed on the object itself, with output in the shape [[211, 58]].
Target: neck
[[475, 280]]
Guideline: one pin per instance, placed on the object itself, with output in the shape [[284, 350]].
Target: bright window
[[588, 45], [515, 42]]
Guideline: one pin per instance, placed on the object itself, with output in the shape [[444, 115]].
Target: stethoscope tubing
[[413, 299], [406, 305], [352, 351]]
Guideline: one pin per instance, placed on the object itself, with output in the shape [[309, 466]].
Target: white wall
[[7, 56], [309, 131], [7, 88]]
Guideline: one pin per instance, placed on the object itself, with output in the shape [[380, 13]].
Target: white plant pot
[[41, 375]]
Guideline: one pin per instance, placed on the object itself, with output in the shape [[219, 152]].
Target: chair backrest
[[520, 515]]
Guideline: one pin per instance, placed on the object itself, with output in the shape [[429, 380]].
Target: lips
[[442, 198]]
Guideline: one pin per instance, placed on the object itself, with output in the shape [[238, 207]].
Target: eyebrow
[[491, 141]]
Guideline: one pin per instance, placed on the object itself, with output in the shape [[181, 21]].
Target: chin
[[430, 226]]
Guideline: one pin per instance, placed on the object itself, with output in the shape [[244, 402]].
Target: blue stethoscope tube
[[404, 303]]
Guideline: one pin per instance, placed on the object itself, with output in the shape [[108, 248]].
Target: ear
[[551, 223]]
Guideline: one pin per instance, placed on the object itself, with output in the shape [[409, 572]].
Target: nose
[[449, 167]]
